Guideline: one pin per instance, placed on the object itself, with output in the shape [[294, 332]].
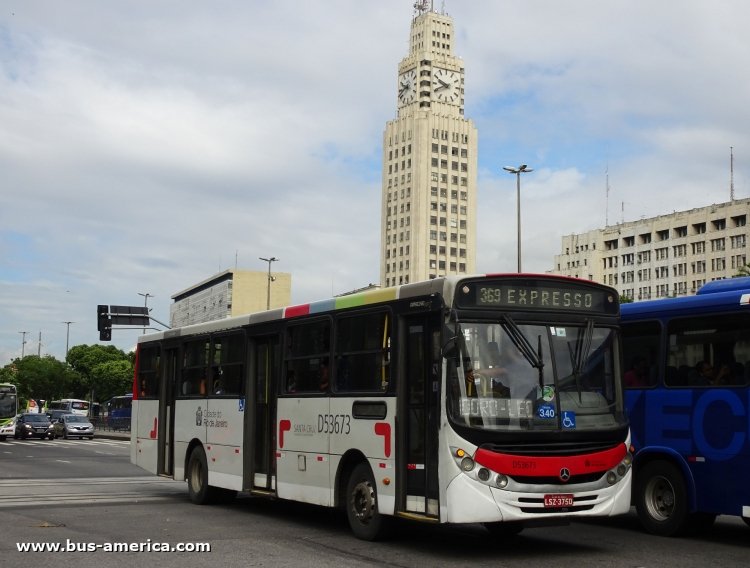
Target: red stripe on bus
[[384, 429], [284, 426], [550, 466], [294, 311]]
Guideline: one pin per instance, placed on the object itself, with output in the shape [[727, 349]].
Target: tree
[[42, 377], [105, 370], [112, 378], [743, 271]]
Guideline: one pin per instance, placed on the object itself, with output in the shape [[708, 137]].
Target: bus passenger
[[706, 374], [637, 376], [323, 375]]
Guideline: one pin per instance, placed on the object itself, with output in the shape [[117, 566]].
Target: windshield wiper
[[522, 343]]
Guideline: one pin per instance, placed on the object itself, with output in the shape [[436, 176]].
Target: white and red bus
[[493, 399]]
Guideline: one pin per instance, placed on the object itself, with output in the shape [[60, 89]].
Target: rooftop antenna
[[422, 6], [606, 204], [731, 173]]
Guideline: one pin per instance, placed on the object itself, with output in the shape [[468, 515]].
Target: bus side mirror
[[450, 346]]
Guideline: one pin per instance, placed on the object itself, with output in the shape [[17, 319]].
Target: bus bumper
[[469, 501]]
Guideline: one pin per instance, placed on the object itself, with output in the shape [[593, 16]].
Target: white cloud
[[147, 146]]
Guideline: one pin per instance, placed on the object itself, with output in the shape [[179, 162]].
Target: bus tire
[[661, 499], [362, 512], [197, 478]]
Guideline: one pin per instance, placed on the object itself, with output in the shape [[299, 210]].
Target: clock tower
[[428, 224]]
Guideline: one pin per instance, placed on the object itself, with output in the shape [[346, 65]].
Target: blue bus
[[687, 364], [119, 411]]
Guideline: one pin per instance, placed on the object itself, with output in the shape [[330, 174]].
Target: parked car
[[33, 425], [73, 425]]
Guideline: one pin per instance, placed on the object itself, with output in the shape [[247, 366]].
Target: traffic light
[[103, 323]]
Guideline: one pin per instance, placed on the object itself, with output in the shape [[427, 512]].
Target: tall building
[[230, 293], [669, 255], [428, 224]]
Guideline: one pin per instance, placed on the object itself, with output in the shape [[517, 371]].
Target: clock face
[[407, 87], [446, 85]]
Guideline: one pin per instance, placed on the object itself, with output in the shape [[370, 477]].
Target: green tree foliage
[[113, 378], [43, 378], [743, 271], [105, 370]]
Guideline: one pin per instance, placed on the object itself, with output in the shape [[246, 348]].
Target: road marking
[[95, 490]]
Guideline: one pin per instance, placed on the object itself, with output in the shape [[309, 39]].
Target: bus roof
[[729, 300], [725, 285], [444, 285]]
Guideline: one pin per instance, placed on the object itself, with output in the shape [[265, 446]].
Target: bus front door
[[420, 404]]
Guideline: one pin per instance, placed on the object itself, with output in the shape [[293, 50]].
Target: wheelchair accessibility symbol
[[568, 419]]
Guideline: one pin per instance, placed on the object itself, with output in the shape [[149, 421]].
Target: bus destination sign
[[536, 295]]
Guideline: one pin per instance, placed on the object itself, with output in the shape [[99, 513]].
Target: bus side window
[[363, 353], [307, 352], [640, 346]]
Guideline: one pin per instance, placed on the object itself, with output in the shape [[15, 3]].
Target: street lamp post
[[522, 169], [270, 278], [67, 338], [23, 342], [146, 296]]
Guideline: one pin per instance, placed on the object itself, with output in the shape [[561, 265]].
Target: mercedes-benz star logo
[[564, 474]]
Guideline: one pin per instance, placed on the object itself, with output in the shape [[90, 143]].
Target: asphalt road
[[75, 493]]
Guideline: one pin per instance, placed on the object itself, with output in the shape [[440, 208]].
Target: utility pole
[[23, 342], [67, 338]]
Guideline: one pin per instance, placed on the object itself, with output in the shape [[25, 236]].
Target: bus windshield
[[8, 402], [534, 376]]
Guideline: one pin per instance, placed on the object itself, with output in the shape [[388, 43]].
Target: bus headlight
[[483, 474], [611, 477], [467, 464], [501, 481]]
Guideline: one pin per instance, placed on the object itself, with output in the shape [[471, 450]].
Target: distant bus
[[8, 409], [688, 400], [491, 399], [118, 411], [72, 405]]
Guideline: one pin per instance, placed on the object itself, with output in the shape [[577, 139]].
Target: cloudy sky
[[146, 145]]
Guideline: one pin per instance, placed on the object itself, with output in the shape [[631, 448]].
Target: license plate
[[558, 500]]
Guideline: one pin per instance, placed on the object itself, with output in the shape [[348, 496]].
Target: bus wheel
[[661, 499], [362, 512], [197, 478], [504, 530]]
